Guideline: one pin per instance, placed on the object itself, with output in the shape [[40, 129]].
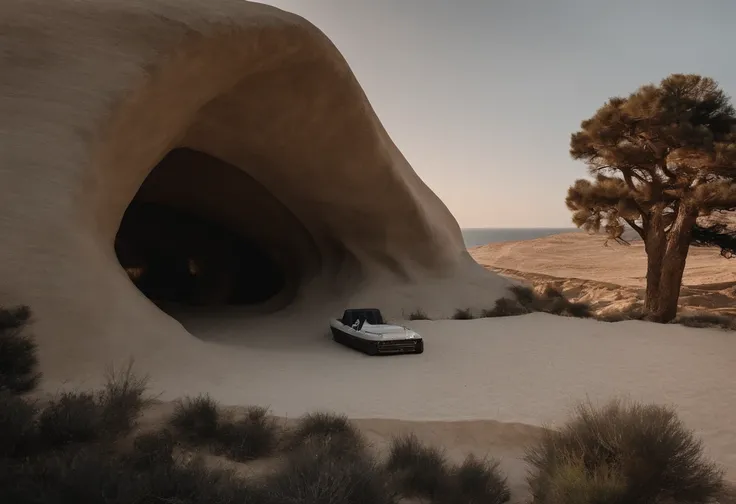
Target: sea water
[[480, 236]]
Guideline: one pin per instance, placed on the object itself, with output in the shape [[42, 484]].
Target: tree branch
[[639, 230]]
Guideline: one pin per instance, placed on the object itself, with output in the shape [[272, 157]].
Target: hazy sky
[[481, 96]]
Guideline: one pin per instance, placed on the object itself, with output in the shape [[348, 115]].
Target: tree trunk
[[655, 245], [673, 264]]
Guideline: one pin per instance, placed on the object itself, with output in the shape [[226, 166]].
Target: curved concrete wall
[[94, 94]]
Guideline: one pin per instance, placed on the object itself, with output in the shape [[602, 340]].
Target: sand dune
[[609, 277]]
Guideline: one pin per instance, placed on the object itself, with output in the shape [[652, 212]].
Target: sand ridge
[[611, 276]]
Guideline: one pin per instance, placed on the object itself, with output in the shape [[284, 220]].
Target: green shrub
[[417, 470], [17, 424], [572, 483], [463, 314], [197, 419], [418, 315], [478, 481], [72, 417], [18, 360], [122, 400], [645, 448], [317, 472], [252, 437]]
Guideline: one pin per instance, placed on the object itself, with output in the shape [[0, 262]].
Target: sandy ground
[[482, 386], [609, 277], [527, 370]]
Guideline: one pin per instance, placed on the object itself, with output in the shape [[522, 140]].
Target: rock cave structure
[[171, 168]]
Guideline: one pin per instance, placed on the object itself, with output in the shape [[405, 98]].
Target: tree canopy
[[659, 159]]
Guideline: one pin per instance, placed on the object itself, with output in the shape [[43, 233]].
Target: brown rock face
[[213, 153]]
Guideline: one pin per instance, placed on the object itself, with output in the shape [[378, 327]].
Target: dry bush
[[477, 480], [572, 483], [505, 307], [552, 301], [632, 453], [331, 427], [703, 320], [319, 471], [197, 419], [17, 424], [95, 475], [122, 400], [153, 449], [418, 314], [463, 314], [18, 359], [250, 438], [417, 470], [72, 417]]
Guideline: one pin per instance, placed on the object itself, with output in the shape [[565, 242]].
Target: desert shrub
[[552, 301], [579, 310], [153, 449], [572, 483], [252, 437], [122, 400], [463, 314], [477, 481], [702, 320], [96, 476], [551, 292], [505, 307], [72, 417], [18, 359], [17, 424], [197, 419], [318, 472], [417, 470], [644, 449], [525, 295], [331, 427], [418, 314]]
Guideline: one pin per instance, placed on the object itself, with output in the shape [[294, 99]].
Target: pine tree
[[660, 159]]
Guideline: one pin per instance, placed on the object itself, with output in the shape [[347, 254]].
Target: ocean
[[480, 236]]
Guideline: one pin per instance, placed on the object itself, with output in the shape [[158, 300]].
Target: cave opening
[[179, 248]]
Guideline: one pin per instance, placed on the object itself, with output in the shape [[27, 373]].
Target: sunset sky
[[481, 96]]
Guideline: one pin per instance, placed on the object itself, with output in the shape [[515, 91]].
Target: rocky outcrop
[[241, 114]]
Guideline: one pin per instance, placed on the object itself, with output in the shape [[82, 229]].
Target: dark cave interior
[[177, 256]]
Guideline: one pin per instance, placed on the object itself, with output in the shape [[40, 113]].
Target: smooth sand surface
[[527, 370], [610, 277]]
